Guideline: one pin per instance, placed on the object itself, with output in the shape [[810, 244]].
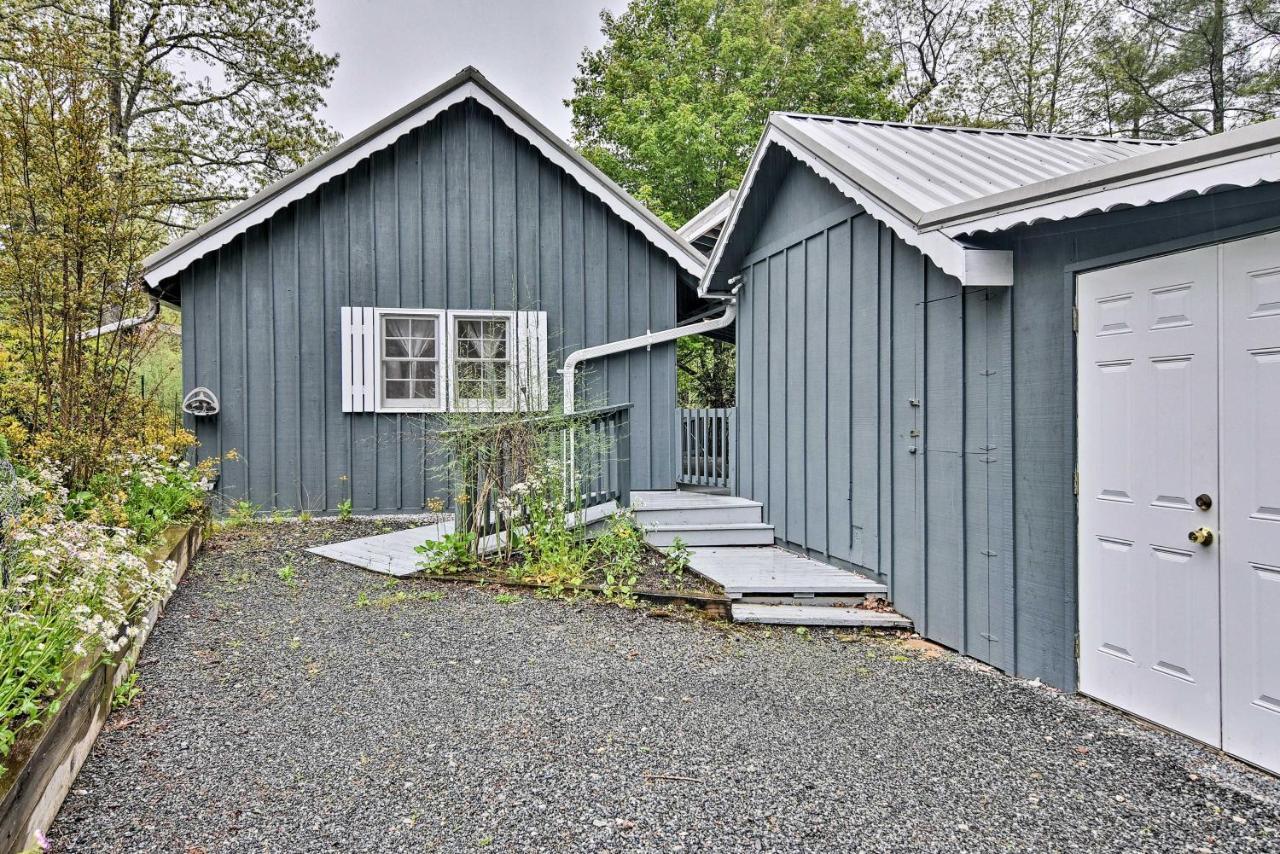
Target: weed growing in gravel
[[288, 575], [387, 600], [344, 509], [123, 695], [295, 643], [506, 598], [239, 578], [240, 514]]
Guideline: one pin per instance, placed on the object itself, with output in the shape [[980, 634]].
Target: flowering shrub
[[76, 573]]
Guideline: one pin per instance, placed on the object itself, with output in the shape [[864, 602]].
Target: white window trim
[[438, 404], [456, 404]]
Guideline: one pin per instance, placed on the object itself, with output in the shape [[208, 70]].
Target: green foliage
[[387, 600], [344, 509], [455, 552], [619, 550], [707, 371], [123, 695], [674, 102], [1141, 68], [288, 575], [73, 584], [676, 562], [240, 514], [506, 598]]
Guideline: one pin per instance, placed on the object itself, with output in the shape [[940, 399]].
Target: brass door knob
[[1203, 536]]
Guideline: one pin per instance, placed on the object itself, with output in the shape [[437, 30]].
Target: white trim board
[[468, 84]]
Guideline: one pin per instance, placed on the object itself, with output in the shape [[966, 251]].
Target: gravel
[[442, 717]]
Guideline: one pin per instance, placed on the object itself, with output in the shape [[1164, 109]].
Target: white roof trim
[[1260, 169], [1240, 158], [708, 218], [307, 179], [946, 252]]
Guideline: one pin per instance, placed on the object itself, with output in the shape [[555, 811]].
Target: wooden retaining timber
[[43, 764], [714, 604]]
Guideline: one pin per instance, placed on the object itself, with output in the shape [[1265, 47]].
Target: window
[[432, 360], [480, 361], [410, 356]]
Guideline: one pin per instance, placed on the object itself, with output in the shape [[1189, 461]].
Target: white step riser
[[711, 537], [851, 600], [810, 615], [700, 516]]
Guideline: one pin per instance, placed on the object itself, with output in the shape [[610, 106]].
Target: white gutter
[[647, 340], [127, 323]]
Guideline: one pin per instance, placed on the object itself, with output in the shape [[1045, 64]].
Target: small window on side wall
[[431, 360], [410, 358], [480, 361]]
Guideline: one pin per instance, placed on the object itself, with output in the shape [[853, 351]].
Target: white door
[[1179, 431], [1250, 550], [1148, 447]]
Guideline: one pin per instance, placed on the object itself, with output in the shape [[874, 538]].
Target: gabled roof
[[468, 83], [936, 186], [703, 228]]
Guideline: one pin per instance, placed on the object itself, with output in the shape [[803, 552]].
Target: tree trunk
[[1217, 71]]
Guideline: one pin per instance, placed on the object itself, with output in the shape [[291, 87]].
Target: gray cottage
[[447, 259], [1023, 385], [1030, 383]]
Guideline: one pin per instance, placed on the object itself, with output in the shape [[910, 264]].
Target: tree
[[221, 96], [1031, 67], [675, 101], [928, 38], [71, 253], [706, 373], [1211, 64]]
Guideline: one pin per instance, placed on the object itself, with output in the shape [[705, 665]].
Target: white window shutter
[[359, 359], [531, 361]]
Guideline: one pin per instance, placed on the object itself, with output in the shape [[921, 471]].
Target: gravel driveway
[[424, 717]]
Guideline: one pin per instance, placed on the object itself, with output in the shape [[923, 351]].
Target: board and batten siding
[[892, 421], [459, 214], [834, 318]]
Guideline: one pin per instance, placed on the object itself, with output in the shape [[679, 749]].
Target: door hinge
[[1075, 318], [1075, 482]]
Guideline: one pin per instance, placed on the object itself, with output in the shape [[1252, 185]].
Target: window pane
[[424, 370], [398, 327], [397, 390], [424, 348], [424, 390], [397, 370], [395, 348], [424, 327]]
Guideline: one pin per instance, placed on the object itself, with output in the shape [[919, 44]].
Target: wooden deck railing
[[706, 447], [595, 449]]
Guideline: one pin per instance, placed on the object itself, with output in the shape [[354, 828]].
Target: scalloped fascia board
[[1248, 172]]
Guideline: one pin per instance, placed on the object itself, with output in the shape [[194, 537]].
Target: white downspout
[[569, 371], [153, 311]]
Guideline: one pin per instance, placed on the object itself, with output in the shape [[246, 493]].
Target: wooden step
[[817, 615], [771, 571], [709, 514], [725, 534]]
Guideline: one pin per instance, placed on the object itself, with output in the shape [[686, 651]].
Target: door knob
[[1203, 536]]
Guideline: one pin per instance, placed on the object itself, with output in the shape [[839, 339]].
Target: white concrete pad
[[395, 553]]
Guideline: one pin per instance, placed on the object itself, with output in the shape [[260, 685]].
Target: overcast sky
[[392, 51]]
